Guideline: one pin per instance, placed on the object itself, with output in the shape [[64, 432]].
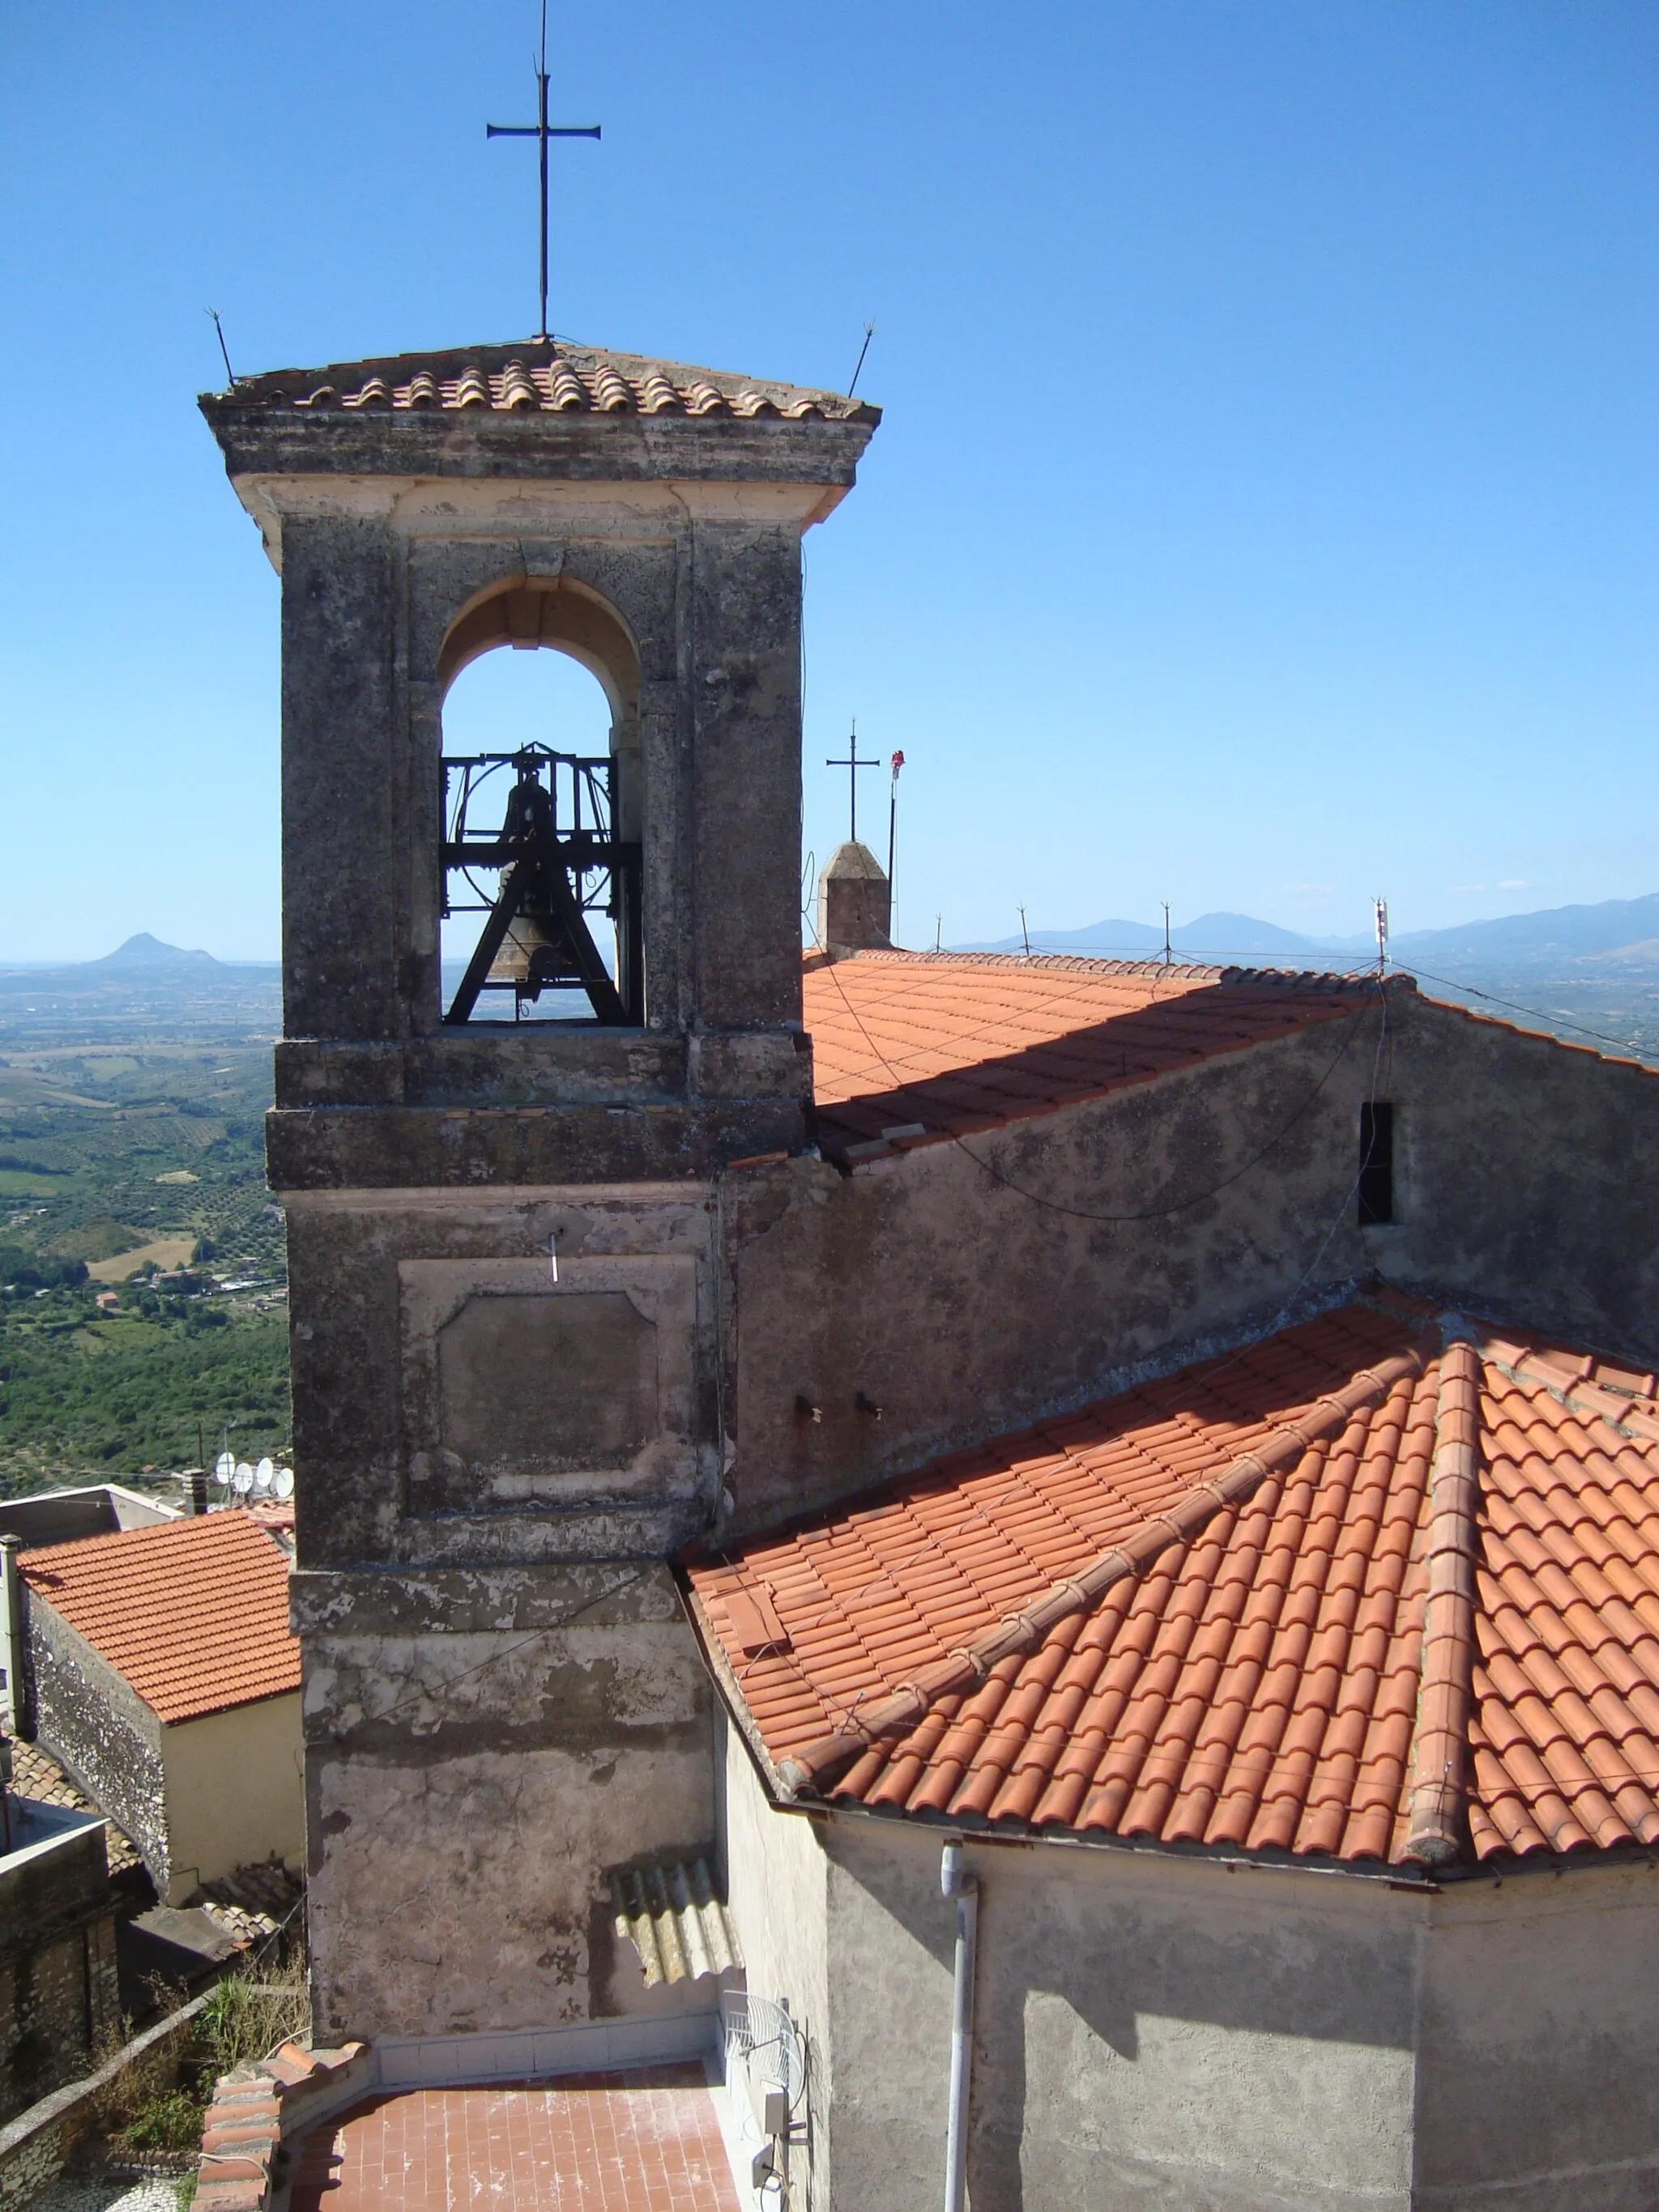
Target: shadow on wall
[[1156, 2030]]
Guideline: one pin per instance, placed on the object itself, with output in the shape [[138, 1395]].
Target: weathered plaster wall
[[480, 1746], [1530, 1179], [1147, 2032], [1537, 2090], [778, 1894], [1527, 1185], [235, 1792], [1152, 2030], [88, 1716], [364, 1319]]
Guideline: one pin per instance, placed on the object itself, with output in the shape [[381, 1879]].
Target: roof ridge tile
[[814, 1763]]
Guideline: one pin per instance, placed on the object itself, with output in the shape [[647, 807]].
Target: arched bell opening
[[542, 913]]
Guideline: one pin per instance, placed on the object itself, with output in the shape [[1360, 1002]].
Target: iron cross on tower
[[853, 764], [543, 130]]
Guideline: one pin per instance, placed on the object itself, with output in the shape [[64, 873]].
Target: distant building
[[62, 1516], [159, 1668]]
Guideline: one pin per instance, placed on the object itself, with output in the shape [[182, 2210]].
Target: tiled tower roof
[[533, 378]]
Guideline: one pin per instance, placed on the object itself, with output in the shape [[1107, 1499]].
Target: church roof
[[538, 379], [1357, 1591], [940, 1044]]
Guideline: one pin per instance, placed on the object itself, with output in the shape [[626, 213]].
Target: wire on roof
[[1550, 1021], [1083, 1213]]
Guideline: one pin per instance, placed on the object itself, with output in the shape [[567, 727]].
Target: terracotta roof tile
[[1384, 1601], [193, 1613], [956, 1043], [558, 379]]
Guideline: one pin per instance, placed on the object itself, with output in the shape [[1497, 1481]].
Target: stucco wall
[[1152, 2030], [1148, 2033], [234, 1792], [362, 1355], [1538, 2089], [778, 1893]]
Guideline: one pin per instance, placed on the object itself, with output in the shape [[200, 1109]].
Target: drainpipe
[[955, 1882], [11, 1635]]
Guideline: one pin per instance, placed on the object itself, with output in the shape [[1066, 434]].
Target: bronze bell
[[528, 934], [536, 950]]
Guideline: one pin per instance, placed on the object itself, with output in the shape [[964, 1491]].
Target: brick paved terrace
[[644, 2141]]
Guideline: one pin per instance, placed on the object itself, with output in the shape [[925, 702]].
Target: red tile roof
[[193, 1613], [556, 379], [937, 1045], [1344, 1593]]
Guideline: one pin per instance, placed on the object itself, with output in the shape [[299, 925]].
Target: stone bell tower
[[510, 1307]]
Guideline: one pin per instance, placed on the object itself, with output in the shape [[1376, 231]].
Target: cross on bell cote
[[542, 131], [853, 764]]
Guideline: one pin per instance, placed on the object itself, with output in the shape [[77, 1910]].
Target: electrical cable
[[1145, 955], [499, 1658], [1550, 1021]]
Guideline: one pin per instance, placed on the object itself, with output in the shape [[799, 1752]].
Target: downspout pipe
[[12, 1640], [955, 1881]]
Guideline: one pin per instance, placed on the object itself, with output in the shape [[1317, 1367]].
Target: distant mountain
[[1555, 937], [146, 951], [1620, 935], [1228, 936]]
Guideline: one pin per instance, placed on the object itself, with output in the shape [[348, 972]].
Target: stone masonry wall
[[58, 1999], [91, 1719]]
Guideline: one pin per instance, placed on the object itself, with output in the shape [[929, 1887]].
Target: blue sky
[[1265, 513]]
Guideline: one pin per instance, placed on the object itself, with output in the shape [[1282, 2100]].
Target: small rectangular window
[[1375, 1163]]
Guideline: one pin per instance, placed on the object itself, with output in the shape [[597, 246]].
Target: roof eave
[[521, 444]]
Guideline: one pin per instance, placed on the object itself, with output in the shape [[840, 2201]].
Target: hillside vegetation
[[115, 1159]]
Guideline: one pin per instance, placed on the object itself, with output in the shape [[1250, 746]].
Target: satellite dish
[[224, 1467], [242, 1481], [265, 1474], [285, 1482]]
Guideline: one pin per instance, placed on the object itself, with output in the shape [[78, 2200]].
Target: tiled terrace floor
[[647, 2140]]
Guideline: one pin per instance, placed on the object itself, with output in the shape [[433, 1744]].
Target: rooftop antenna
[[1380, 908], [1164, 903], [219, 332], [541, 130], [939, 931], [892, 822], [869, 332], [1025, 933], [853, 764]]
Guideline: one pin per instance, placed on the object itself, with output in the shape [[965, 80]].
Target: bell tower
[[509, 1313]]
